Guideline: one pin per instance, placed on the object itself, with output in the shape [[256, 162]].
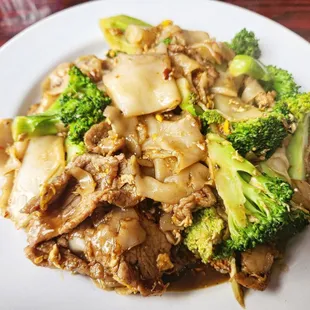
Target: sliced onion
[[130, 234], [236, 287], [187, 64], [234, 109], [86, 182], [193, 37], [225, 85], [77, 244], [120, 232], [57, 81], [140, 35], [252, 89], [13, 163], [209, 50], [165, 223], [302, 193], [279, 163]]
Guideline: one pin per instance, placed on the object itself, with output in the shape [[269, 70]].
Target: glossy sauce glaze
[[200, 276]]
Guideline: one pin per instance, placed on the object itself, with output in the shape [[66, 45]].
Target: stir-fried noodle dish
[[173, 154]]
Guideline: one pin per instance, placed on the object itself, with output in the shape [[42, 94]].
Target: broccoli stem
[[73, 150], [296, 150], [79, 107], [35, 125], [227, 179], [256, 205], [113, 29], [243, 64]]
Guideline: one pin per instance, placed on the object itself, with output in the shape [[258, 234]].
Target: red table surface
[[17, 15]]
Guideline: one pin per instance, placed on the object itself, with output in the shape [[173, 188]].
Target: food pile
[[174, 150]]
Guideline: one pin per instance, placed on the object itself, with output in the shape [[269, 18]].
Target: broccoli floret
[[282, 82], [262, 136], [245, 43], [299, 105], [258, 136], [205, 232], [79, 107], [256, 204], [209, 117]]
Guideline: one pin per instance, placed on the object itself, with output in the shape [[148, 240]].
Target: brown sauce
[[195, 278]]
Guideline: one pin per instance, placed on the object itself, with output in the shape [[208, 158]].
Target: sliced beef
[[145, 256], [123, 191], [118, 249], [128, 245], [67, 201], [50, 254], [181, 258], [101, 139], [56, 254], [256, 266], [182, 211]]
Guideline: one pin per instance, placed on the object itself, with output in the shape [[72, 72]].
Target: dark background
[[17, 15]]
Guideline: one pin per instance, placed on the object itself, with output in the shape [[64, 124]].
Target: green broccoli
[[258, 136], [205, 232], [257, 205], [245, 43], [282, 82], [79, 107], [299, 105], [73, 149], [209, 117], [262, 136]]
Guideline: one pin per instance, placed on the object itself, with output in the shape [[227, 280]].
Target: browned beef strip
[[103, 255], [50, 254], [62, 207], [101, 139], [256, 266], [136, 267], [55, 254], [182, 211]]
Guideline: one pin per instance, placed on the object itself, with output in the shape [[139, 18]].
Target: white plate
[[28, 57]]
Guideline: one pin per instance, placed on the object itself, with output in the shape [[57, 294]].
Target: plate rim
[[37, 24]]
